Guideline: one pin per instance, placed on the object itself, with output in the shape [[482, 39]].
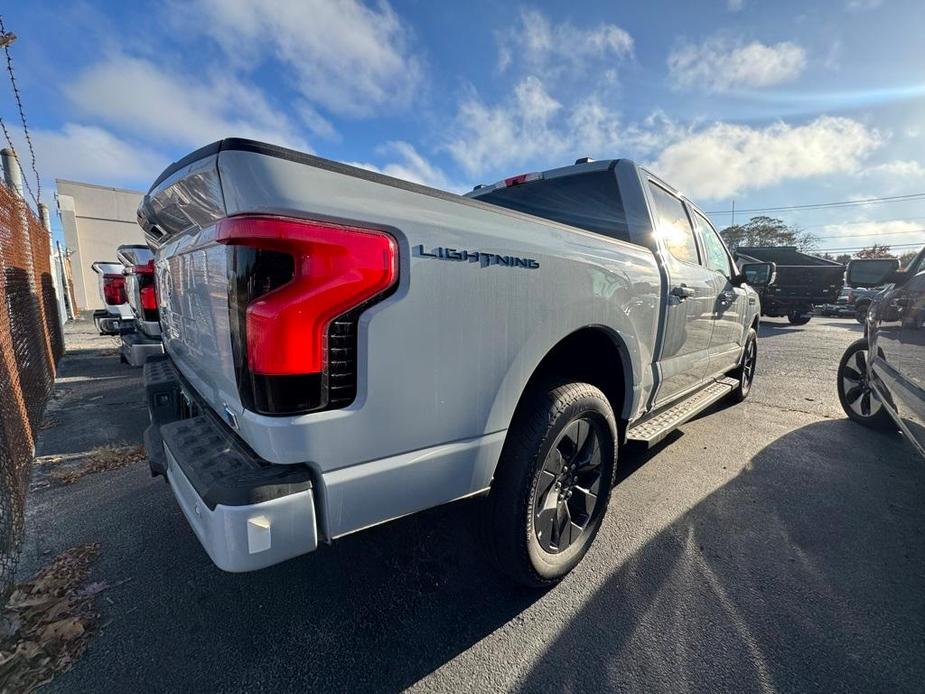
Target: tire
[[745, 373], [797, 318], [861, 312], [861, 405], [563, 441]]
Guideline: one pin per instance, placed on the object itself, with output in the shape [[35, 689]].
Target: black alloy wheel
[[858, 399], [568, 486]]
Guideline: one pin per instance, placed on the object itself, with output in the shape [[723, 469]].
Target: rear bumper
[[136, 348], [247, 513], [108, 324]]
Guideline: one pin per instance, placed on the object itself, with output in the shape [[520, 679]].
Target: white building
[[96, 220]]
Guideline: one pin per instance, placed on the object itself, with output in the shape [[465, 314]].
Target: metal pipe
[[12, 174]]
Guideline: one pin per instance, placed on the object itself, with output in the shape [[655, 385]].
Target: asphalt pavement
[[768, 546]]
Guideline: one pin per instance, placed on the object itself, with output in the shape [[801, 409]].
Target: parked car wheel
[[861, 310], [746, 371], [858, 400], [552, 485], [798, 318]]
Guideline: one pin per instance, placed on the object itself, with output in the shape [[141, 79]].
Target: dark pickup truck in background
[[802, 281]]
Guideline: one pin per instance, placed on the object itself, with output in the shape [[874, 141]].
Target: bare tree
[[768, 231], [878, 250]]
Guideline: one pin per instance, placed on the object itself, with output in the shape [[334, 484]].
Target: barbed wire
[[25, 126]]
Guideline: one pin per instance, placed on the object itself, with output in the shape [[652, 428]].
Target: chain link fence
[[31, 342]]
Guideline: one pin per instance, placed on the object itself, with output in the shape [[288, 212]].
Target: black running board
[[653, 428]]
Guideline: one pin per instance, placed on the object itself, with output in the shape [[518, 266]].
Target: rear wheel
[[858, 399], [798, 318], [552, 485]]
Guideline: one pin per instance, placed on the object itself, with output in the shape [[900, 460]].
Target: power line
[[891, 246], [848, 237], [861, 221], [827, 205], [22, 116]]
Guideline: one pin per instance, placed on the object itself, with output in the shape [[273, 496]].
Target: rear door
[[729, 307], [685, 349]]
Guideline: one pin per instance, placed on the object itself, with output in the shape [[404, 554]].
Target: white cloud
[[137, 96], [862, 5], [725, 159], [720, 65], [519, 130], [902, 169], [893, 232], [891, 229], [735, 5], [317, 124], [410, 166], [546, 48], [89, 153], [344, 56]]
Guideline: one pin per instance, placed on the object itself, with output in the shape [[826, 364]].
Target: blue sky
[[768, 104]]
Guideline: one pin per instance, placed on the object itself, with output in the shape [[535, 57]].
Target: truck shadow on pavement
[[803, 573]]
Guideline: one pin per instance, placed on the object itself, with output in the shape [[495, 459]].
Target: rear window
[[588, 201]]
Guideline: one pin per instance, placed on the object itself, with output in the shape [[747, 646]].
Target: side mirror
[[757, 274], [872, 272]]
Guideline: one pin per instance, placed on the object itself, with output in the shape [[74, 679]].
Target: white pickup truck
[[344, 348]]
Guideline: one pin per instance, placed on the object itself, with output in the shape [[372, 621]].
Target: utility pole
[[733, 214]]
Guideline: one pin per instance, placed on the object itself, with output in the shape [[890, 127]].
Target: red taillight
[[114, 289], [146, 269], [148, 298], [521, 178], [335, 269]]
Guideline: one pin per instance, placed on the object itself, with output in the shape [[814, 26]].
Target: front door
[[685, 349], [729, 307], [900, 316]]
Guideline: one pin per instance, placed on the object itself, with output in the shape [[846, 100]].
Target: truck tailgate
[[817, 283], [192, 277]]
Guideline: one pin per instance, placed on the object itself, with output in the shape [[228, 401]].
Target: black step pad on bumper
[[220, 467]]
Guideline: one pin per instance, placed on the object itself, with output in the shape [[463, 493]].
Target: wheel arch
[[584, 355]]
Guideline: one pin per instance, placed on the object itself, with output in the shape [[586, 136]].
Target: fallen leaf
[[64, 629]]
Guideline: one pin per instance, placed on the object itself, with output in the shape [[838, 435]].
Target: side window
[[917, 264], [674, 228], [717, 258]]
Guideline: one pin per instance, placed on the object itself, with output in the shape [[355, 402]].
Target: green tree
[[768, 231], [876, 251]]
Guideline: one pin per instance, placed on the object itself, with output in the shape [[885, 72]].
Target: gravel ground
[[767, 546]]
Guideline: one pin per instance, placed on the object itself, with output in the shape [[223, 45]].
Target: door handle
[[682, 292]]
